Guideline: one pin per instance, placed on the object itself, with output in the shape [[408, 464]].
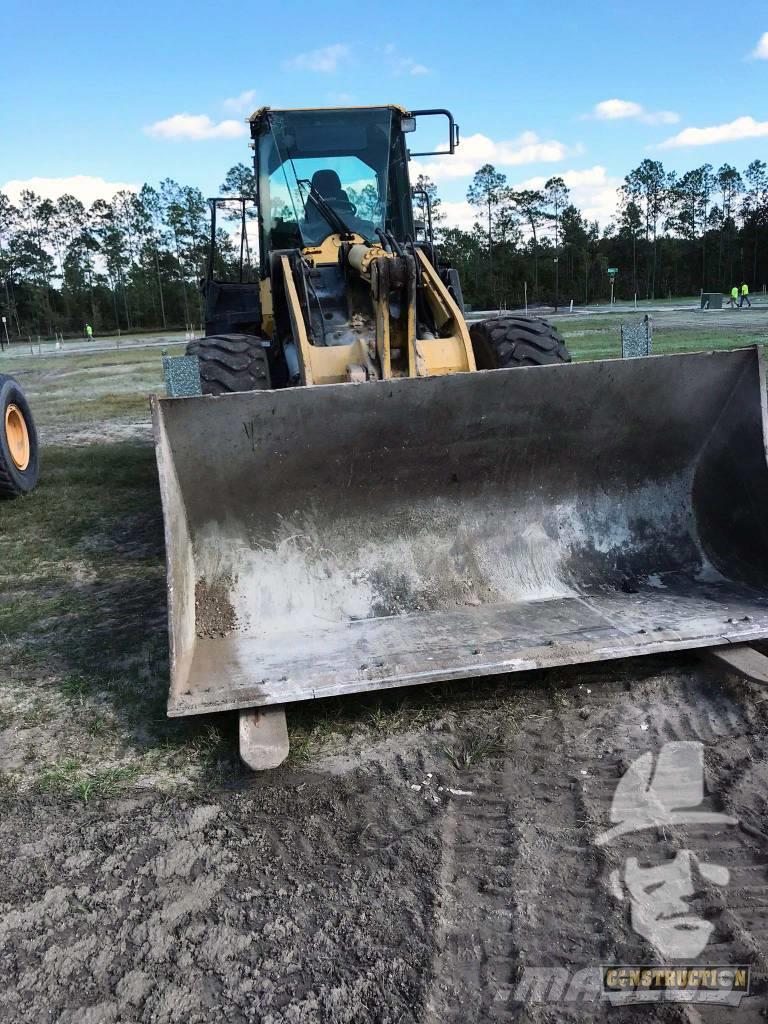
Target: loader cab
[[331, 172], [323, 177]]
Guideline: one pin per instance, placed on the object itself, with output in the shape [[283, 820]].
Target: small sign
[[3, 319], [613, 270]]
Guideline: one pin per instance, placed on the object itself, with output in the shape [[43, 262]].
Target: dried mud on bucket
[[214, 614]]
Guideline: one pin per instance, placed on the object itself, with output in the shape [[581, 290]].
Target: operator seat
[[328, 184]]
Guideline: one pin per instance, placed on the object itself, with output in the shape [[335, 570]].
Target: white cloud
[[342, 99], [459, 214], [411, 67], [194, 127], [241, 104], [593, 191], [733, 131], [612, 110], [476, 150], [326, 59], [660, 117], [82, 186], [760, 52], [619, 110], [403, 65]]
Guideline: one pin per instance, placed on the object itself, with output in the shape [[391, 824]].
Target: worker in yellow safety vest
[[745, 296], [734, 299]]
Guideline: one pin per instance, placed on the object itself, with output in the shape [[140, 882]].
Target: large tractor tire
[[507, 341], [231, 362], [19, 456]]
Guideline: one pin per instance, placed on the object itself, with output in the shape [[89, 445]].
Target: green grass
[[83, 628], [84, 635], [473, 749], [70, 777], [598, 339], [91, 388]]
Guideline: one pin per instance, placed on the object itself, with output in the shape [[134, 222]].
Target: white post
[[5, 325], [611, 289], [525, 288], [571, 309]]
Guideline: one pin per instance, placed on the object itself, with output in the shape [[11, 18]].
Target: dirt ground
[[400, 880], [413, 858]]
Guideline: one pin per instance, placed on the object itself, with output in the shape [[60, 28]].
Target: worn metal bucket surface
[[355, 537]]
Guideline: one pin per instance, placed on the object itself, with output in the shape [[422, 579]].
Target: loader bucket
[[354, 537]]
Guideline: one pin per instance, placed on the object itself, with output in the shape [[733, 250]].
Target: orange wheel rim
[[17, 436]]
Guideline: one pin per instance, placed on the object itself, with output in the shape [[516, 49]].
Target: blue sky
[[96, 91]]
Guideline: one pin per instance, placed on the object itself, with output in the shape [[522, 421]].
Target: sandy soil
[[82, 434], [386, 884]]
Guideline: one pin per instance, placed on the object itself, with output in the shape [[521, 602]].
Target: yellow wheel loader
[[368, 494]]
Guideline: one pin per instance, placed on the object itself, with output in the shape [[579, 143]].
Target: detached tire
[[231, 362], [507, 341], [19, 455]]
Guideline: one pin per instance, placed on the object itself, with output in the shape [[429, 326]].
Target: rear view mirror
[[453, 130]]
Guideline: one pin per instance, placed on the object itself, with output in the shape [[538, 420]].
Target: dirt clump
[[214, 614]]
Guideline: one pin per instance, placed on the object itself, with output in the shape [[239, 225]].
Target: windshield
[[323, 172]]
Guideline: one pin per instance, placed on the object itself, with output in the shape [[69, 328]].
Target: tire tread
[[512, 341], [230, 363]]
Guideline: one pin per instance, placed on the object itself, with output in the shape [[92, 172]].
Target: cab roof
[[260, 114]]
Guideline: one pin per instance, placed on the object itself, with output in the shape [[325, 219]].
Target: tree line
[[134, 262], [672, 235]]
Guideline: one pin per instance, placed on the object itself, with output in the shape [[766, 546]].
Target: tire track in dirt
[[519, 884], [474, 945], [564, 917]]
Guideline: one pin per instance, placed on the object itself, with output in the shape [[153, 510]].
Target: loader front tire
[[507, 341], [19, 457], [231, 362]]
